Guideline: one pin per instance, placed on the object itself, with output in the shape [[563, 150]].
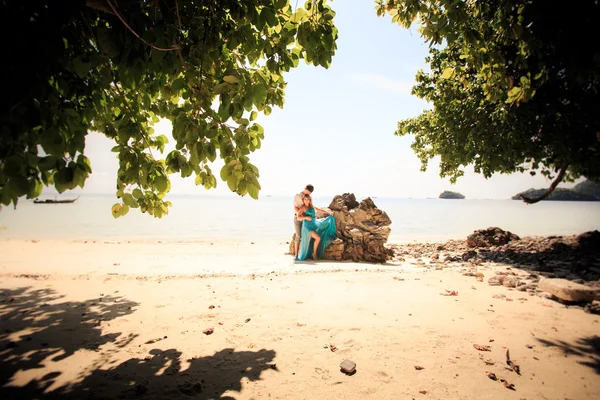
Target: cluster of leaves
[[118, 66], [513, 84]]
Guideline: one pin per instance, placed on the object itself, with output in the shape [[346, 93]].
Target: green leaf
[[82, 68], [269, 17], [225, 173], [17, 186], [279, 4], [5, 196], [186, 170], [448, 73], [84, 163], [137, 193], [47, 163], [79, 177], [107, 42], [13, 165], [116, 210], [260, 95], [161, 183], [230, 79], [64, 178], [300, 15], [35, 188], [515, 94], [253, 191], [222, 88], [158, 55], [129, 200], [178, 84], [232, 183]]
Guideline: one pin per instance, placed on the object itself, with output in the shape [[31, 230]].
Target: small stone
[[510, 281], [494, 281], [348, 366]]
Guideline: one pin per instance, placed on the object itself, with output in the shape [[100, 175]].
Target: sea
[[220, 217]]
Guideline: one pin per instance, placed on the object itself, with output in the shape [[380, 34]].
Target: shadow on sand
[[37, 329], [587, 348]]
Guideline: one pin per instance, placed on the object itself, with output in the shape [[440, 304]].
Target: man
[[298, 224]]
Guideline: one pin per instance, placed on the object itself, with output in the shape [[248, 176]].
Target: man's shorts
[[298, 227]]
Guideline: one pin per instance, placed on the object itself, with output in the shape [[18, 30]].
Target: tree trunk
[[555, 183]]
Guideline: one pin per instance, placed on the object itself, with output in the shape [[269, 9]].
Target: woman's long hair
[[310, 204]]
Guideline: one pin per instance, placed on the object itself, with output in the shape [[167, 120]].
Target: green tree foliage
[[117, 66], [513, 84]]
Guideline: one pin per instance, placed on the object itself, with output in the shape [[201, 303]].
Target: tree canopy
[[118, 66], [513, 84]]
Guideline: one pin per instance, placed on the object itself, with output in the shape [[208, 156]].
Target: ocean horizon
[[221, 217]]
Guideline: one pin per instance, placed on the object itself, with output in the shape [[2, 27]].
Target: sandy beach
[[242, 320]]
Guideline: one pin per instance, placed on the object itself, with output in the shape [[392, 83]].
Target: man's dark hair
[[310, 188]]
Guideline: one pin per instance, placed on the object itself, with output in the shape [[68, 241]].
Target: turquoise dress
[[325, 228]]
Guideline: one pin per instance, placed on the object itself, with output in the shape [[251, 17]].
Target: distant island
[[584, 191], [446, 194]]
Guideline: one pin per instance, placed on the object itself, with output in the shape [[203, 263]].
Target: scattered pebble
[[348, 367]]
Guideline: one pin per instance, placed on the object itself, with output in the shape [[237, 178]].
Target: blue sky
[[336, 128]]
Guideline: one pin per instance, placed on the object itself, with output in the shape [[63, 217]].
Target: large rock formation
[[492, 236], [362, 231]]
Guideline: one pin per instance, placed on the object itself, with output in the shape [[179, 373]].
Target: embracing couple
[[312, 235]]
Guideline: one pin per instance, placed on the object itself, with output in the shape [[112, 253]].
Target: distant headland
[[584, 191]]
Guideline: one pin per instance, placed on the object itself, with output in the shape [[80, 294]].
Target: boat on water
[[55, 201]]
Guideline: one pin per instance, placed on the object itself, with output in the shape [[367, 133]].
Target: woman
[[316, 235]]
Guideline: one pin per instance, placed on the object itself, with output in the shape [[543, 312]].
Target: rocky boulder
[[589, 241], [345, 202], [567, 291], [362, 231], [492, 236]]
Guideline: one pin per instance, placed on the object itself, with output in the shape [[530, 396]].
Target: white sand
[[81, 314]]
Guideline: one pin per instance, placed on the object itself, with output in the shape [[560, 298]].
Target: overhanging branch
[[99, 5], [135, 33], [561, 175]]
